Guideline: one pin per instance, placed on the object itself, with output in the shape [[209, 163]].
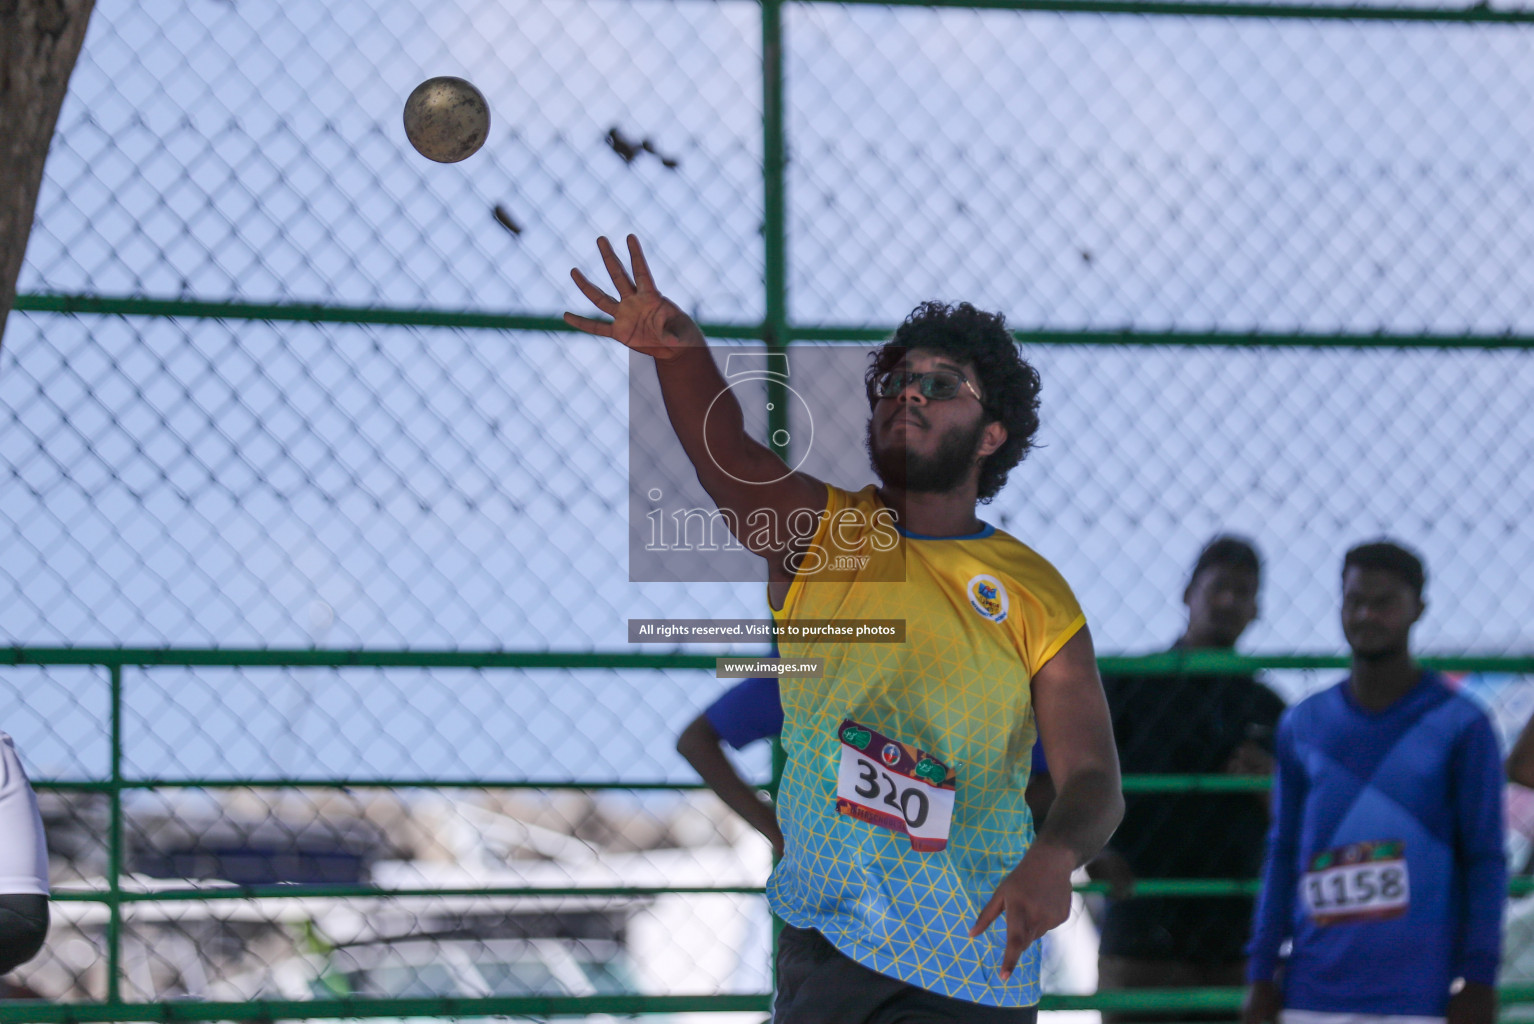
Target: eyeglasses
[[937, 386]]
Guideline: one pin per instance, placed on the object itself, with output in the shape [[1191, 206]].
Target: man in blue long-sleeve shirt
[[1385, 863]]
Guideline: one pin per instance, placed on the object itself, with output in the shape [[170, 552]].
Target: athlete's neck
[[1377, 683], [946, 514]]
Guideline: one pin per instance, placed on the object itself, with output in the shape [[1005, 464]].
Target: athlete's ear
[[994, 436]]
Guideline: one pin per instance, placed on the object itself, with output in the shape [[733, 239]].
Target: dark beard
[[1380, 653], [938, 473]]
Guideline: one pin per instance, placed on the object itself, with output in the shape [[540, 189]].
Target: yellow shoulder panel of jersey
[[857, 562]]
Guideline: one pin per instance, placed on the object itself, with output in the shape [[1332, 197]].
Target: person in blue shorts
[[1385, 865]]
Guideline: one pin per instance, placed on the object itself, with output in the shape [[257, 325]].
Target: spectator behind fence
[[1385, 865], [1520, 760], [1189, 724], [23, 866]]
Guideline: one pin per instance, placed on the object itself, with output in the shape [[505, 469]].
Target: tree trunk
[[39, 41]]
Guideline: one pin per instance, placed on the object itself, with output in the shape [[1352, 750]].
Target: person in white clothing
[[23, 865]]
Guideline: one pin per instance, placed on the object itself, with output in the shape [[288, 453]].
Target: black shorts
[[819, 984], [23, 929]]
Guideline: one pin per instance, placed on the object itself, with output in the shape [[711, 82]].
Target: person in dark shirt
[[1189, 724]]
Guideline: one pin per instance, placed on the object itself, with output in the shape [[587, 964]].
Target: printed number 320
[[910, 801]]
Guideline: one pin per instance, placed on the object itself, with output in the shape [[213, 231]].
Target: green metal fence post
[[774, 230], [775, 280], [115, 842]]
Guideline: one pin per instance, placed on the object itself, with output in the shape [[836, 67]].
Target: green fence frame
[[777, 332], [115, 659]]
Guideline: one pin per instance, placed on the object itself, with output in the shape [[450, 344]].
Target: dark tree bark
[[39, 41]]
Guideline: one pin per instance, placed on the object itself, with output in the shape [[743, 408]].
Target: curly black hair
[[1008, 382]]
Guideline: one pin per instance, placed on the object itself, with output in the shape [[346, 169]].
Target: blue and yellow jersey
[[983, 612]]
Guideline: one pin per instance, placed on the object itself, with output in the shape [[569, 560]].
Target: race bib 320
[[894, 785]]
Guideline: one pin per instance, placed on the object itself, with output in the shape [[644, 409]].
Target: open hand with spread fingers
[[642, 318]]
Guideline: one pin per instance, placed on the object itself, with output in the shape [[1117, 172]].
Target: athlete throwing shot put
[[912, 883]]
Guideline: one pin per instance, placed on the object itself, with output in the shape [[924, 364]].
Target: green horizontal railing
[[555, 1006], [1132, 784], [1205, 339], [1190, 662], [1470, 13], [341, 1009], [314, 313], [116, 897], [325, 891], [310, 657], [539, 1006], [1179, 887], [1147, 887]]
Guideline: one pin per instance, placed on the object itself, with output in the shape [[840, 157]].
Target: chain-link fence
[[276, 382]]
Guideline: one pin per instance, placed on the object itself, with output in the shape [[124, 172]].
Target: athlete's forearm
[[1088, 806], [707, 418]]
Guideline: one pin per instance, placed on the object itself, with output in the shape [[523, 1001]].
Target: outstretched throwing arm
[[744, 477]]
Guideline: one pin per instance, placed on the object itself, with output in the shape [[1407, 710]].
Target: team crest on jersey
[[988, 597]]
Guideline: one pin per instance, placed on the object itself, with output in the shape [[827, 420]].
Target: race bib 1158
[[1358, 882], [894, 785]]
